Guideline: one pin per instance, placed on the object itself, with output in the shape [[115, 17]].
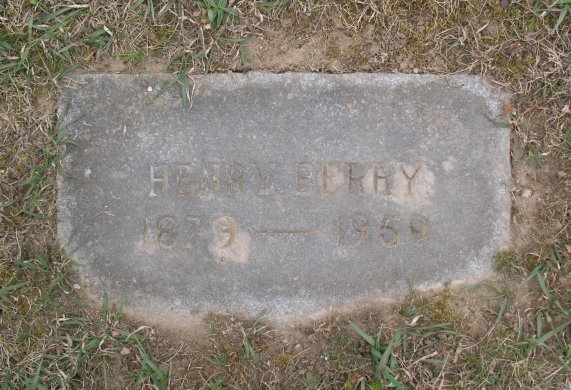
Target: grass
[[217, 12], [54, 343], [384, 361], [511, 332]]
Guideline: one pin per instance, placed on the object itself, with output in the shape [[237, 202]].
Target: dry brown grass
[[49, 340]]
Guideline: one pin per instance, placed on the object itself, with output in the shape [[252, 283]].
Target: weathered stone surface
[[285, 193]]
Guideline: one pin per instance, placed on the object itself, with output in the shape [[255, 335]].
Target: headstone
[[283, 194]]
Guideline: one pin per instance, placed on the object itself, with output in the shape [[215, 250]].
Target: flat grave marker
[[288, 194]]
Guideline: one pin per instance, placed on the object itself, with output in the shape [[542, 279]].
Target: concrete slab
[[285, 193]]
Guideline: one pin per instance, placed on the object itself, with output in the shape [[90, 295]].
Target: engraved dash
[[285, 231]]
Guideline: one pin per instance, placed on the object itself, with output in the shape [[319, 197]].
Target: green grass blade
[[393, 380], [503, 306], [387, 353], [12, 287], [536, 342], [152, 370], [363, 334]]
